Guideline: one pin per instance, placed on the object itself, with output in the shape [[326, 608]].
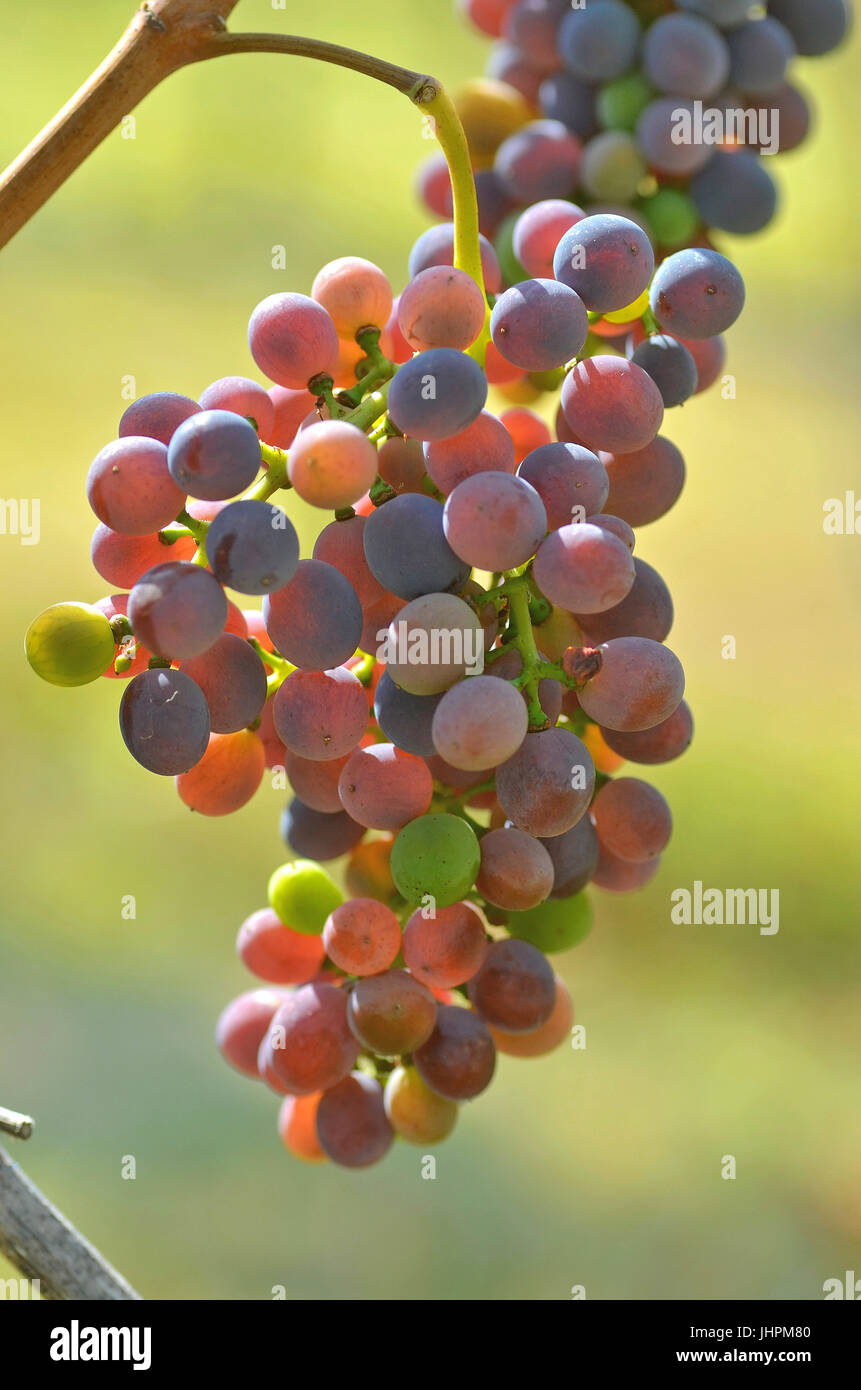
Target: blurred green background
[[600, 1168]]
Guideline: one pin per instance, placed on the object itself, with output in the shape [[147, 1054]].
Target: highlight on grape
[[465, 679]]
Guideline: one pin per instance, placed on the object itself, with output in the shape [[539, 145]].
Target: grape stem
[[523, 639]]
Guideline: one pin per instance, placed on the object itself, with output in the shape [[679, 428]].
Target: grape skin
[[441, 307], [484, 446], [435, 855], [292, 339], [437, 394], [539, 324], [612, 404], [121, 560], [293, 617], [275, 953], [760, 52], [538, 231], [157, 415], [655, 128], [645, 611], [696, 293], [297, 1127], [645, 484], [622, 875], [311, 1047], [392, 1013], [214, 455], [342, 544], [243, 1024], [534, 786], [362, 936], [566, 476], [164, 721], [607, 260], [244, 397]]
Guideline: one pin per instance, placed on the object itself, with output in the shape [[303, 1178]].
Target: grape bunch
[[447, 682], [660, 108]]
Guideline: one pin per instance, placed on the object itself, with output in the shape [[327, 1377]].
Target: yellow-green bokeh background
[[600, 1168]]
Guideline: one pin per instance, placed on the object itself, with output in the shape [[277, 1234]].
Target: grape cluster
[[447, 681], [659, 107]]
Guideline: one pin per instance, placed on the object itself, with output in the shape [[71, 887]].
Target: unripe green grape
[[671, 216], [414, 1111], [303, 895], [620, 102], [555, 925], [70, 644], [503, 242], [436, 855]]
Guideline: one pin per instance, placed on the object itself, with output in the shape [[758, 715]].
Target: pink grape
[[441, 307], [623, 875], [547, 785], [355, 292], [177, 610], [342, 545], [311, 1047], [121, 560], [660, 744], [332, 464], [484, 446], [352, 1127], [479, 722], [645, 484], [538, 231], [242, 1026], [612, 404], [391, 1013], [566, 477], [539, 324], [362, 936], [645, 611], [401, 464], [243, 397], [157, 416], [527, 430], [494, 521], [459, 1058], [130, 488], [584, 569], [320, 714], [632, 819], [292, 339], [383, 787], [233, 680], [640, 684], [515, 989], [516, 871], [290, 408], [273, 952], [447, 948]]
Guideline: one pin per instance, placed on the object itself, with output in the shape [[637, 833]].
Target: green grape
[[503, 243], [436, 855], [620, 102], [303, 895], [553, 926], [414, 1111], [70, 644], [671, 216]]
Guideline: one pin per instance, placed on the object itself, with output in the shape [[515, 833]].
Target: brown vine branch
[[46, 1247], [162, 37]]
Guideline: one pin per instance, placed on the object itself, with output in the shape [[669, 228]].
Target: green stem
[[373, 407], [193, 527], [275, 477], [524, 640]]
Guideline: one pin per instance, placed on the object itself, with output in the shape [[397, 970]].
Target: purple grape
[[318, 834], [696, 293], [566, 476], [293, 617], [685, 56], [574, 856], [608, 260], [645, 611], [352, 1127], [164, 721], [436, 247], [252, 547], [406, 548], [214, 455], [599, 40], [157, 416], [437, 394], [612, 404], [541, 160], [645, 484], [320, 714], [735, 192], [244, 397], [177, 610], [671, 367], [656, 127], [816, 26], [563, 97], [459, 1057], [547, 785], [539, 325], [494, 521], [584, 569], [760, 52], [660, 744], [405, 719]]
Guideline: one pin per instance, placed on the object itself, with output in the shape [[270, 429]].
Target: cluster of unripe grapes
[[586, 101], [451, 678]]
